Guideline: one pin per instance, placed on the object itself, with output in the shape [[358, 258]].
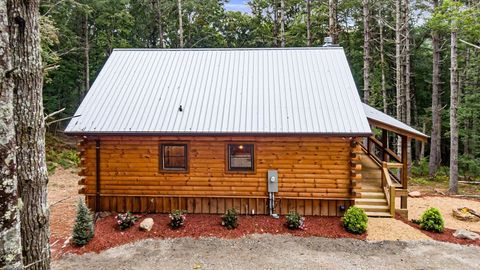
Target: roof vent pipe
[[328, 42]]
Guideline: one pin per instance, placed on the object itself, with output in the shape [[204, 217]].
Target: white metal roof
[[223, 91], [384, 119]]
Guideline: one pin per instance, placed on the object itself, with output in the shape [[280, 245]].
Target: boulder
[[146, 224], [466, 234], [415, 194]]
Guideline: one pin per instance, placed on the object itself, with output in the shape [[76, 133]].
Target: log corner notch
[[356, 168]]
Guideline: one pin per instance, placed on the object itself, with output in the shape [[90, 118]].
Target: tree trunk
[[366, 53], [157, 7], [453, 187], [422, 143], [180, 22], [382, 62], [30, 132], [275, 23], [10, 237], [309, 23], [407, 89], [282, 23], [332, 21], [86, 52], [398, 64], [435, 151]]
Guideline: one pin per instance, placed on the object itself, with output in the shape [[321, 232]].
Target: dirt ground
[[277, 252], [62, 198], [416, 206], [380, 229]]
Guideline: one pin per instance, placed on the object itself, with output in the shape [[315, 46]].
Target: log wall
[[315, 175]]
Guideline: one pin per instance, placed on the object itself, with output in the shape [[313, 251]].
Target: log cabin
[[265, 131]]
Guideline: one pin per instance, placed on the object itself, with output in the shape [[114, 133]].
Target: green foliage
[[125, 221], [83, 230], [468, 166], [65, 158], [177, 218], [432, 220], [355, 220], [420, 168], [230, 219], [295, 221]]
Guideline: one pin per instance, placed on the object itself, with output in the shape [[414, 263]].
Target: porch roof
[[384, 121]]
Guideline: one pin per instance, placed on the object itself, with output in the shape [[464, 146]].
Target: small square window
[[173, 157], [240, 157]]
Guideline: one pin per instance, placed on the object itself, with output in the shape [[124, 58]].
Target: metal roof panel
[[234, 91]]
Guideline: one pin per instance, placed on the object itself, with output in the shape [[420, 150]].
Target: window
[[173, 157], [240, 157]]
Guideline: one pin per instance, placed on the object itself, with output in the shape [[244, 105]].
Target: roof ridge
[[229, 49]]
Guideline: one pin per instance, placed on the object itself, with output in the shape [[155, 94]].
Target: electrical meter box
[[272, 180]]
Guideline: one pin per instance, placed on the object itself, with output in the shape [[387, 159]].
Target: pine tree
[[83, 230]]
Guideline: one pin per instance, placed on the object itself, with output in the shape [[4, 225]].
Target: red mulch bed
[[445, 236], [108, 235]]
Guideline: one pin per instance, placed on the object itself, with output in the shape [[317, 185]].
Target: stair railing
[[388, 187]]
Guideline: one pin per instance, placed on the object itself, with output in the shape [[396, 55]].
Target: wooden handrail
[[394, 165], [388, 187], [379, 163], [389, 151]]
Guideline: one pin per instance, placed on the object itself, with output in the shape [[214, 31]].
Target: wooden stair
[[372, 200]]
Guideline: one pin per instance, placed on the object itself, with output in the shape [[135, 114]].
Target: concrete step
[[373, 195], [368, 201], [379, 214], [374, 208]]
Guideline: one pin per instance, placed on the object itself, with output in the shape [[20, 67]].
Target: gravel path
[[392, 229], [416, 207], [277, 252]]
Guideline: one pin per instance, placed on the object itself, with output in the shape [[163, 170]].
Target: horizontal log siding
[[312, 171]]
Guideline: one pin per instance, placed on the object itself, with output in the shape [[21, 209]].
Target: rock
[[466, 234], [103, 214], [146, 224], [464, 214], [415, 194]]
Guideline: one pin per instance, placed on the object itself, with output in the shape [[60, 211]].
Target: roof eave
[[401, 131], [265, 134]]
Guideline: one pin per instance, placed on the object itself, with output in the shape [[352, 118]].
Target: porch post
[[384, 144], [404, 174]]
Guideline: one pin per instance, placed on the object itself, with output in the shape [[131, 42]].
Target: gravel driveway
[[277, 252]]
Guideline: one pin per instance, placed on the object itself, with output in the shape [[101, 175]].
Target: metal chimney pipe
[[328, 42]]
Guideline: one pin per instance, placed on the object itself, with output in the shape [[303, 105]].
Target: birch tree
[[30, 132], [10, 238]]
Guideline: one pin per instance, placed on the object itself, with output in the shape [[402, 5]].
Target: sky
[[237, 5]]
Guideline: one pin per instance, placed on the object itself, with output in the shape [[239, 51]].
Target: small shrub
[[432, 220], [295, 221], [126, 220], [230, 219], [355, 220], [415, 221], [83, 230], [177, 218]]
